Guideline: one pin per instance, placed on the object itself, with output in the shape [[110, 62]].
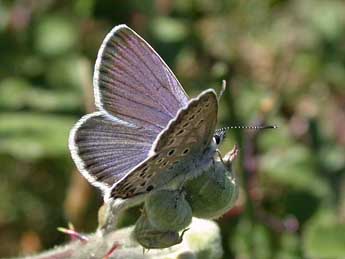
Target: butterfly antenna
[[222, 90], [253, 127], [247, 127]]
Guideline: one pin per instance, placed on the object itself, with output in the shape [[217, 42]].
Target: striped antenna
[[249, 127], [253, 127]]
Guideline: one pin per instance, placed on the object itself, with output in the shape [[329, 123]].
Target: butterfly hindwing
[[197, 122], [105, 149], [134, 84]]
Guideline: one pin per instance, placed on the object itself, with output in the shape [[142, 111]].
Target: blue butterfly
[[148, 134]]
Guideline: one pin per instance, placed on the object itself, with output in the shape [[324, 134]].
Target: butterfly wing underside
[[189, 133], [137, 95]]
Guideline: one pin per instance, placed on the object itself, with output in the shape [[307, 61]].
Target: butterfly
[[147, 133]]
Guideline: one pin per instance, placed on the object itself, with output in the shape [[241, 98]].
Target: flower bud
[[213, 193], [168, 210], [150, 238]]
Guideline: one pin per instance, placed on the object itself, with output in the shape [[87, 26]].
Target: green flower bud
[[168, 210], [150, 238], [213, 193]]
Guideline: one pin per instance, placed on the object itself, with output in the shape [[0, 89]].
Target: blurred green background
[[285, 63]]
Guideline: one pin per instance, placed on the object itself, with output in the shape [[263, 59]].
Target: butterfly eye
[[217, 139]]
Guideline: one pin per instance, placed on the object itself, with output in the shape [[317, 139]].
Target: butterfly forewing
[[190, 132], [106, 149], [134, 84], [193, 126]]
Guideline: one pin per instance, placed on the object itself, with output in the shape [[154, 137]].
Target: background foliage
[[284, 60]]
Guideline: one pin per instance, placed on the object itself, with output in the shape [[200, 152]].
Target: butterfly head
[[219, 136]]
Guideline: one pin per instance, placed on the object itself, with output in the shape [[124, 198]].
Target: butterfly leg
[[182, 234], [181, 185], [229, 157], [220, 156]]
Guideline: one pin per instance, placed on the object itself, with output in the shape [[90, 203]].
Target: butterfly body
[[148, 134]]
